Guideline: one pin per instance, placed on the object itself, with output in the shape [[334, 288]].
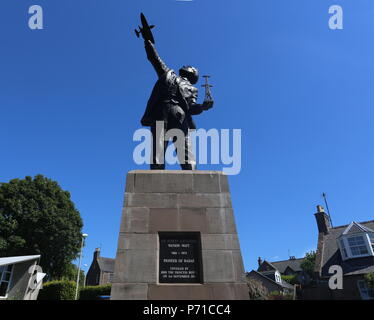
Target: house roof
[[293, 264], [281, 266], [266, 266], [355, 227], [13, 260], [330, 253], [106, 264], [284, 284]]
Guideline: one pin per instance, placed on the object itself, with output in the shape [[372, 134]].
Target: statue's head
[[191, 73]]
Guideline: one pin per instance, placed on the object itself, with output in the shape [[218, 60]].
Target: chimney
[[259, 261], [96, 253], [323, 220]]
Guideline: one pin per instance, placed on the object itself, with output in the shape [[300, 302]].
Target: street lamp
[[84, 235]]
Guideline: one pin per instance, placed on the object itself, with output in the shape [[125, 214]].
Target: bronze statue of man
[[173, 101]]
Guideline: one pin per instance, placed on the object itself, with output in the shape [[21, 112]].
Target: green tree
[[38, 217], [308, 263], [370, 279], [71, 272], [291, 279]]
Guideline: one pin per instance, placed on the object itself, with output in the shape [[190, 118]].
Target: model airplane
[[145, 30]]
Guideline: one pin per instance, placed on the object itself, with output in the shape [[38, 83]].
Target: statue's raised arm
[[154, 58]]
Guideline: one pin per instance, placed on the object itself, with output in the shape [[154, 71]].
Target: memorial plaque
[[180, 257]]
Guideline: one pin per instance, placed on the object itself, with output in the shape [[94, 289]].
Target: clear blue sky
[[72, 95]]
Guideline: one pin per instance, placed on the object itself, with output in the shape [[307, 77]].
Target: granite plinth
[[194, 207]]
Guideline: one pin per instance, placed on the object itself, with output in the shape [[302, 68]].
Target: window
[[357, 245], [5, 275], [278, 277], [371, 237], [365, 291], [343, 249], [110, 277]]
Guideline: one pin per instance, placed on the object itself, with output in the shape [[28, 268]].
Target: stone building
[[269, 274], [270, 283], [289, 267], [352, 248], [101, 270]]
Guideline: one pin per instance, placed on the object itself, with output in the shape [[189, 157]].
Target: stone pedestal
[[178, 238]]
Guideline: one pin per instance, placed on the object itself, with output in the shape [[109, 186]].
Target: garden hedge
[[94, 292], [57, 290]]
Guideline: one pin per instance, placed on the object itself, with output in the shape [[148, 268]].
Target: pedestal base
[[178, 239]]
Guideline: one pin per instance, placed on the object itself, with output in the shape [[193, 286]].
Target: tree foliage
[[94, 292], [276, 295], [370, 279], [38, 217], [256, 289], [58, 290], [71, 272], [308, 263], [291, 279]]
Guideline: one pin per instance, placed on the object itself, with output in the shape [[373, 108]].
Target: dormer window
[[358, 245], [356, 241], [371, 237], [278, 278], [343, 249], [269, 271]]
